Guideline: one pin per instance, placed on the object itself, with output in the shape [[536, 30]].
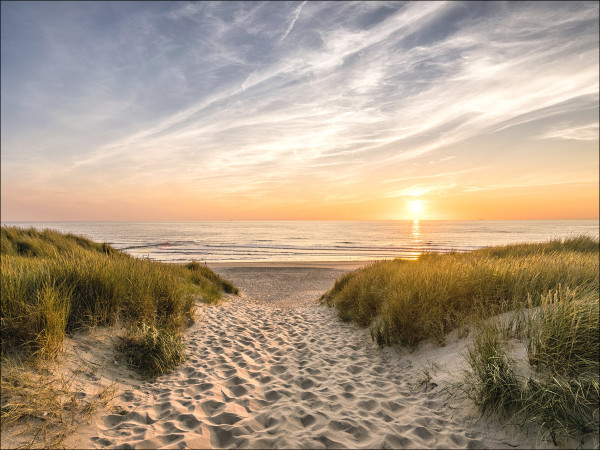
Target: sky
[[299, 110]]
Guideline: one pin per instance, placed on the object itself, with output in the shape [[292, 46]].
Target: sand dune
[[287, 373]]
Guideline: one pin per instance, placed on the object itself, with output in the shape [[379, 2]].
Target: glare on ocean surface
[[416, 239]]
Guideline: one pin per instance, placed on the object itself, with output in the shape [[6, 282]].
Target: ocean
[[256, 241]]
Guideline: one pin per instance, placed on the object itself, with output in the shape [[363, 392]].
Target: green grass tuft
[[493, 385], [152, 351], [199, 273], [562, 392], [562, 336]]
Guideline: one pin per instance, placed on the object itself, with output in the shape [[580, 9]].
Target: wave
[[157, 244]]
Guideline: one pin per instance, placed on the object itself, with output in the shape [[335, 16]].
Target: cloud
[[294, 18], [418, 190], [436, 175], [587, 132], [272, 94]]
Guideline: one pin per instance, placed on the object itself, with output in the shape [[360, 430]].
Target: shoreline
[[341, 265], [290, 284]]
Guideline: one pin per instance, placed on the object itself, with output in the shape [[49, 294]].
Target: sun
[[416, 208]]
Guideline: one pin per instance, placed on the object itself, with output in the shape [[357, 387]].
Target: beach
[[300, 225], [270, 368]]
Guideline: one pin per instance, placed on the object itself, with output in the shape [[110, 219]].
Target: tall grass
[[31, 242], [493, 385], [53, 284], [406, 302], [150, 350], [561, 391], [562, 335], [201, 275], [551, 291]]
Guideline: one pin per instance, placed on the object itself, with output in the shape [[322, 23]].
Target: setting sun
[[416, 207]]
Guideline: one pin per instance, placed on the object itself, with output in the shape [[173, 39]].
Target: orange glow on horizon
[[571, 201]]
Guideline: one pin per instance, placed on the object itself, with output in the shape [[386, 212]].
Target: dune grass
[[54, 407], [202, 276], [550, 290], [150, 350], [406, 302], [560, 389], [54, 283]]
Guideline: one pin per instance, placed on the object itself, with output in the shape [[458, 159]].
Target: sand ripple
[[263, 375]]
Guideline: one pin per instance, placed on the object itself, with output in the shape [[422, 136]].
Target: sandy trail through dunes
[[268, 370]]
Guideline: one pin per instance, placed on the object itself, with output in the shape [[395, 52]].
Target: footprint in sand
[[259, 375], [210, 407]]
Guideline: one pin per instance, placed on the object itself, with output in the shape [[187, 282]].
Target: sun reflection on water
[[416, 240]]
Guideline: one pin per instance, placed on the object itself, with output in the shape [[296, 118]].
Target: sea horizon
[[310, 240], [5, 222]]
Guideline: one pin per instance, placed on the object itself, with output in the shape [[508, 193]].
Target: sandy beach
[[273, 369]]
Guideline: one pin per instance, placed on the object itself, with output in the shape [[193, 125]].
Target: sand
[[272, 369]]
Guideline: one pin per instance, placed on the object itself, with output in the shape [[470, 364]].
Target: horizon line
[[307, 220]]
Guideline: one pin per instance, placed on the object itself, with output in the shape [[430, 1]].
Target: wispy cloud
[[587, 132], [293, 19], [418, 190], [436, 175], [272, 94]]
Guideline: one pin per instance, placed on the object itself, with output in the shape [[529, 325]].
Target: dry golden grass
[[42, 408], [53, 284]]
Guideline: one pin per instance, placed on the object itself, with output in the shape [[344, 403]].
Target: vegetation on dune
[[560, 390], [53, 402], [200, 275], [54, 283], [549, 289], [150, 350], [406, 302]]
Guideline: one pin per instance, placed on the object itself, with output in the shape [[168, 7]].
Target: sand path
[[273, 370]]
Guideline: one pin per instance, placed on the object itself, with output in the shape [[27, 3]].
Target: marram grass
[[151, 351], [54, 283], [406, 302], [549, 289], [561, 393]]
